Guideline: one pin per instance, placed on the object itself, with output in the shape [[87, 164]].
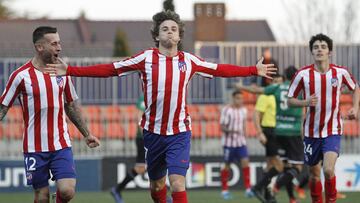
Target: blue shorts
[[232, 154], [38, 167], [315, 148], [167, 153]]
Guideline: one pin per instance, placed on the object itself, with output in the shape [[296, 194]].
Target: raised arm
[[72, 110], [3, 111]]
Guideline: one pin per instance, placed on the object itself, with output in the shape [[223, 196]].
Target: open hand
[[58, 69], [265, 70]]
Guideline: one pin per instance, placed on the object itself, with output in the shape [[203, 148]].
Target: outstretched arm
[[99, 70], [72, 110], [3, 111], [228, 70], [253, 88]]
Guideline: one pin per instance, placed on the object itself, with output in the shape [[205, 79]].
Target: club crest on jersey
[[60, 81], [182, 66], [334, 82]]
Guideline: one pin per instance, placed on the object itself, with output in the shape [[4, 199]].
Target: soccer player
[[44, 101], [287, 132], [165, 72], [265, 122], [232, 120], [321, 84]]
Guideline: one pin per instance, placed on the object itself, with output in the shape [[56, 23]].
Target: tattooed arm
[[3, 111], [72, 110]]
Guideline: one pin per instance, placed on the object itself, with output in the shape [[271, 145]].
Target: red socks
[[330, 190], [246, 177], [179, 197], [224, 179], [159, 196], [315, 191]]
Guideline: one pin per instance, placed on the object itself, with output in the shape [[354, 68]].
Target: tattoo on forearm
[[3, 111], [73, 112]]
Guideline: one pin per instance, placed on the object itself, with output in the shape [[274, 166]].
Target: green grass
[[194, 196]]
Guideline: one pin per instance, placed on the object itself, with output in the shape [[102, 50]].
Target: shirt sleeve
[[261, 103], [208, 69], [349, 80], [131, 65], [270, 89], [12, 89], [224, 118], [120, 68], [296, 85], [69, 91]]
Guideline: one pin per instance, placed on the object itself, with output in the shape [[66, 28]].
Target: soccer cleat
[[226, 195], [258, 194], [116, 195], [249, 193], [269, 196], [340, 195], [293, 200], [301, 192], [275, 190]]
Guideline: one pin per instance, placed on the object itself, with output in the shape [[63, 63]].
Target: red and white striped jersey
[[42, 99], [164, 81], [324, 119], [234, 119]]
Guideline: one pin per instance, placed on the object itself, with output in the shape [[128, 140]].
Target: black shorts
[[291, 149], [271, 146], [140, 155]]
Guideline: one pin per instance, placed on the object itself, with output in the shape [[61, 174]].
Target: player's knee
[[157, 185], [329, 172], [177, 185], [42, 199], [67, 193]]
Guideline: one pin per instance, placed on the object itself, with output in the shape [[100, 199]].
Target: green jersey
[[288, 119]]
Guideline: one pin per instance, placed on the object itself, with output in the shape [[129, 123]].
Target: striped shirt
[[164, 82], [234, 120], [324, 119], [42, 99]]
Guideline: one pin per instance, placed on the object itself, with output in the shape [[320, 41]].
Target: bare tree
[[335, 18], [5, 12]]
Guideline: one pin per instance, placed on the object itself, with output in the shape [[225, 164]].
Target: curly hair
[[161, 17], [321, 37]]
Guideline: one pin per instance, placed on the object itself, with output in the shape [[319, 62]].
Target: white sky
[[143, 9], [271, 10], [139, 9]]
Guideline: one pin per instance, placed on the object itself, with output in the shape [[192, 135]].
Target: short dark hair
[[290, 72], [236, 92], [161, 17], [39, 32], [321, 37]]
